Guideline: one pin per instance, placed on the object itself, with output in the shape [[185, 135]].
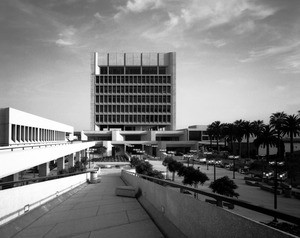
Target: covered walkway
[[93, 211]]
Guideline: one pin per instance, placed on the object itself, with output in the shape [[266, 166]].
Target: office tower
[[133, 91]]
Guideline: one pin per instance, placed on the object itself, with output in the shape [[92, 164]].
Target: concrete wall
[[20, 160], [14, 200], [27, 119], [195, 218]]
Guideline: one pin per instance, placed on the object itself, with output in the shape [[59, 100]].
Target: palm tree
[[276, 121], [216, 130], [239, 134], [257, 129], [225, 133], [267, 138], [230, 132], [248, 131], [291, 127], [209, 131]]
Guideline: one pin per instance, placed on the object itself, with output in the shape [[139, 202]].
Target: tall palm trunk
[[292, 143], [248, 147]]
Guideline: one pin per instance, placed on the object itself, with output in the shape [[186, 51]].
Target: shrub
[[174, 166], [193, 176], [134, 161], [156, 174], [167, 160], [144, 167], [224, 186]]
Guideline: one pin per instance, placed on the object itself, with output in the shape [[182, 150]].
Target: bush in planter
[[134, 161], [224, 186], [144, 167], [156, 174]]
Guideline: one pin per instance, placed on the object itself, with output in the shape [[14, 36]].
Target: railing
[[219, 199], [35, 145], [7, 185]]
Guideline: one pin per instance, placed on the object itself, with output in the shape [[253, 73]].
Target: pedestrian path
[[94, 211]]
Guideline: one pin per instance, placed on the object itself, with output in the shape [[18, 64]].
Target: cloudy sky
[[236, 59]]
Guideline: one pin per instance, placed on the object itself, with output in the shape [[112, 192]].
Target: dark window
[[162, 70], [133, 70], [149, 70], [195, 135], [97, 79], [103, 70], [116, 70]]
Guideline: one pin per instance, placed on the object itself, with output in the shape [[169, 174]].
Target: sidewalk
[[94, 211]]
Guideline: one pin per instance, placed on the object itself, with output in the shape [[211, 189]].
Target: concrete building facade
[[18, 127], [133, 91]]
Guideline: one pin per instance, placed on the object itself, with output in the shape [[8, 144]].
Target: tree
[[225, 132], [84, 161], [102, 150], [276, 121], [257, 129], [230, 133], [224, 186], [248, 129], [216, 128], [210, 133], [144, 167], [167, 160], [291, 127], [193, 176], [134, 161], [174, 166], [267, 138], [239, 133]]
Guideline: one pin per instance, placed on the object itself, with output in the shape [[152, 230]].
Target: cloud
[[98, 16], [216, 43], [213, 13], [290, 63], [256, 55], [142, 5], [66, 36], [61, 42], [137, 6]]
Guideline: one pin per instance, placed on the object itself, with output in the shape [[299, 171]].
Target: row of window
[[133, 79], [133, 118], [133, 99], [133, 89], [32, 134], [133, 108], [133, 70]]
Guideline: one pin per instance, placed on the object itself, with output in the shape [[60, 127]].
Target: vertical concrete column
[[60, 163], [71, 160], [44, 169], [19, 133], [77, 156]]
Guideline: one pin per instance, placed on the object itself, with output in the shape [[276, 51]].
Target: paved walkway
[[95, 211]]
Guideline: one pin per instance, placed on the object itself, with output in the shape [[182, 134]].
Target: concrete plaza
[[93, 211], [251, 194]]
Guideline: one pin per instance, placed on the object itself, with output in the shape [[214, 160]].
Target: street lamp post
[[214, 169], [275, 188], [233, 158]]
